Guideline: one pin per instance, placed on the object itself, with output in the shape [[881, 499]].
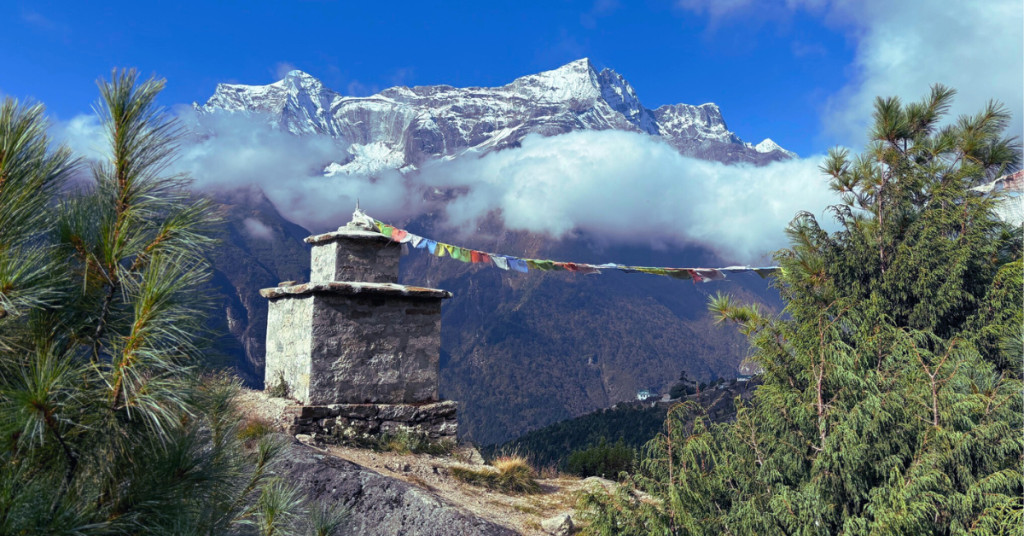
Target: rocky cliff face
[[519, 351]]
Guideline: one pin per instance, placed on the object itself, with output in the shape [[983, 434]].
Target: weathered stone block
[[398, 412], [330, 348], [354, 255], [355, 411], [440, 423]]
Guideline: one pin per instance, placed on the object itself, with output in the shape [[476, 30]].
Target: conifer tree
[[891, 401], [108, 424]]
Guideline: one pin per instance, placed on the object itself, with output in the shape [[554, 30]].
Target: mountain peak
[[575, 81], [580, 64], [404, 128], [768, 146], [299, 80]]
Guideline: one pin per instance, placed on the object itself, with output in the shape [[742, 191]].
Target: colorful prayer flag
[[506, 262]]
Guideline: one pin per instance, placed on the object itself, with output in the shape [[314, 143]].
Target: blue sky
[[779, 69], [770, 73], [802, 72]]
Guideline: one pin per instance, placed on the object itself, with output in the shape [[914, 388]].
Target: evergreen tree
[[891, 401], [603, 460], [108, 424]]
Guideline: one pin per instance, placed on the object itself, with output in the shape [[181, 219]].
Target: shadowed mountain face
[[259, 249], [519, 351]]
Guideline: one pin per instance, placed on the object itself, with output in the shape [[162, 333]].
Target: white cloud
[[974, 46], [619, 187], [257, 229], [245, 151], [282, 69], [239, 151], [630, 188], [903, 47], [83, 134]]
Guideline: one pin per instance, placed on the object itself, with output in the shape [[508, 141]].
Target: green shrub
[[890, 400], [280, 388], [254, 430]]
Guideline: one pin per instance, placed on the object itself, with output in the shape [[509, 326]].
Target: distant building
[[645, 395], [747, 369]]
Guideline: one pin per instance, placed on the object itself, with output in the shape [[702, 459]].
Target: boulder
[[377, 505], [560, 525]]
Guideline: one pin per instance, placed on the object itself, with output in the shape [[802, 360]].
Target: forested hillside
[[632, 423], [891, 401]]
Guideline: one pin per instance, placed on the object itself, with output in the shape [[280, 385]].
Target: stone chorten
[[358, 351]]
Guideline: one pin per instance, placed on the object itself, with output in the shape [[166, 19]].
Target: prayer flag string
[[515, 264]]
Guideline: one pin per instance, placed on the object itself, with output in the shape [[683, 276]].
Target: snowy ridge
[[401, 128], [768, 146]]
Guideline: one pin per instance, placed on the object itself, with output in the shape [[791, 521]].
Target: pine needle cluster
[[891, 401], [108, 423]]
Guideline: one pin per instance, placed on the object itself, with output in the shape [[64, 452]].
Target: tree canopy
[[109, 421], [891, 401]]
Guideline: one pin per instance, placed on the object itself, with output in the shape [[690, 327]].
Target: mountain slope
[[519, 351], [258, 249]]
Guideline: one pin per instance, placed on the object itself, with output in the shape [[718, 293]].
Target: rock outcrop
[[376, 504]]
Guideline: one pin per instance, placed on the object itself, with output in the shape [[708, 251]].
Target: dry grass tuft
[[421, 483], [254, 429], [511, 474]]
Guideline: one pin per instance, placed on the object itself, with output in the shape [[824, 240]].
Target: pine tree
[[108, 422], [891, 401]]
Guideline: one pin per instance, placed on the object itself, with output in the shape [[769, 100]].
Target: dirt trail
[[523, 513]]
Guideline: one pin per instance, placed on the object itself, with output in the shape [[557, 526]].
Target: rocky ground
[[414, 494]]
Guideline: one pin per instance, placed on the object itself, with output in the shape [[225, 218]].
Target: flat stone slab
[[347, 288], [343, 234]]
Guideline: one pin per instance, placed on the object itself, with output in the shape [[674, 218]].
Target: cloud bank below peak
[[618, 187], [628, 188]]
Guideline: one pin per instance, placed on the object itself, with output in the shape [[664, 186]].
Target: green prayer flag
[[544, 266], [679, 273]]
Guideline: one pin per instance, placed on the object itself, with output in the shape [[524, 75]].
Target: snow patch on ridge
[[768, 146]]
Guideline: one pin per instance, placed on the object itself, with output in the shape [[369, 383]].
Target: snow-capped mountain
[[402, 128]]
